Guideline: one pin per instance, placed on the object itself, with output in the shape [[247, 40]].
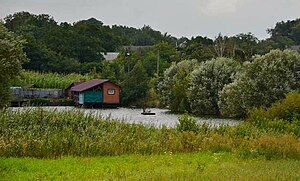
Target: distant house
[[109, 56], [96, 92], [295, 48], [137, 48]]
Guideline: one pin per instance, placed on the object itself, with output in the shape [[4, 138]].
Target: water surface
[[161, 117]]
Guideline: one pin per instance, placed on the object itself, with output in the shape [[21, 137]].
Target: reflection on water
[[162, 116]]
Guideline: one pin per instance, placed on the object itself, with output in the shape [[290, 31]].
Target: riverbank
[[162, 117], [52, 134], [167, 166]]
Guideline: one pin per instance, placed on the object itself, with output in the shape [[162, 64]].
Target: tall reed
[[51, 134], [49, 80]]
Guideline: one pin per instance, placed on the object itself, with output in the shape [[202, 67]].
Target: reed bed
[[49, 80], [51, 134]]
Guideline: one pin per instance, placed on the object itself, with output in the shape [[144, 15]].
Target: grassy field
[[168, 166], [51, 145]]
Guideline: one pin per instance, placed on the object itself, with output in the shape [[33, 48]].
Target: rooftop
[[87, 85]]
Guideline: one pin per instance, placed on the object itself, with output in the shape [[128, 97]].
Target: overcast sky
[[177, 17]]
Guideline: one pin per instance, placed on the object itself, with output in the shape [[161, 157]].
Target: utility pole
[[128, 58], [157, 64]]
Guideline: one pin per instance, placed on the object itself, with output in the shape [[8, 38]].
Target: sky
[[176, 17]]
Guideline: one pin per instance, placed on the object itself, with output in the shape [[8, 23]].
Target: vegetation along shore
[[257, 81]]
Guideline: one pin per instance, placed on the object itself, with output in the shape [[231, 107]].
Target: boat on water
[[147, 112]]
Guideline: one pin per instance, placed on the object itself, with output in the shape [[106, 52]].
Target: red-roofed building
[[96, 92]]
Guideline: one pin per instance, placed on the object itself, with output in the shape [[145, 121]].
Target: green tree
[[262, 82], [206, 83], [135, 86], [200, 48], [173, 89], [11, 58]]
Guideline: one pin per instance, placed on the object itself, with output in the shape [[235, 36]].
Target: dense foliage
[[285, 34], [206, 83], [78, 47], [287, 109], [11, 58], [173, 89], [75, 47], [262, 82]]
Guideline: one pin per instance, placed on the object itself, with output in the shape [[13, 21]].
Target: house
[[68, 92], [96, 92], [295, 48], [109, 56]]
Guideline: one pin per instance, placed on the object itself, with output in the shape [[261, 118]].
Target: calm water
[[162, 116]]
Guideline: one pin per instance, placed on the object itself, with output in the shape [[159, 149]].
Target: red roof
[[87, 85], [73, 84]]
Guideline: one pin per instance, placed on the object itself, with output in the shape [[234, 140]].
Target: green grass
[[168, 166]]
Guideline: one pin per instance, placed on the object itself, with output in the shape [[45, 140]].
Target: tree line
[[66, 48]]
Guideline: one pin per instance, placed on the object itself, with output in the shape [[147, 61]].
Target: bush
[[282, 117], [287, 109], [285, 146], [186, 123]]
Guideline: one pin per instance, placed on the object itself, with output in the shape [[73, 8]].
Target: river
[[161, 117]]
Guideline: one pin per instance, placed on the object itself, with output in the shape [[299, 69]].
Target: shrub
[[283, 146], [287, 109], [186, 123], [282, 116]]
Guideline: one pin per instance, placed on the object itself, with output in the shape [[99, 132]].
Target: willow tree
[[262, 82], [206, 83], [11, 58], [173, 89]]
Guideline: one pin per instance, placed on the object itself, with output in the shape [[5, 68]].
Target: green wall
[[93, 97]]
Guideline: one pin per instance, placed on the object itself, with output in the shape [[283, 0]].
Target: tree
[[161, 57], [206, 83], [200, 48], [173, 89], [135, 86], [11, 58], [262, 82]]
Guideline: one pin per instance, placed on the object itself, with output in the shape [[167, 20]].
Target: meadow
[[167, 166]]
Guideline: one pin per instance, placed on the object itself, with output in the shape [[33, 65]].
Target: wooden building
[[68, 92], [96, 92]]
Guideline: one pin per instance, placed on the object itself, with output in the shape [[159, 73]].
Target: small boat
[[147, 112]]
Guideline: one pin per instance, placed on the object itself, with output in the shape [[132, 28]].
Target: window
[[111, 91]]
